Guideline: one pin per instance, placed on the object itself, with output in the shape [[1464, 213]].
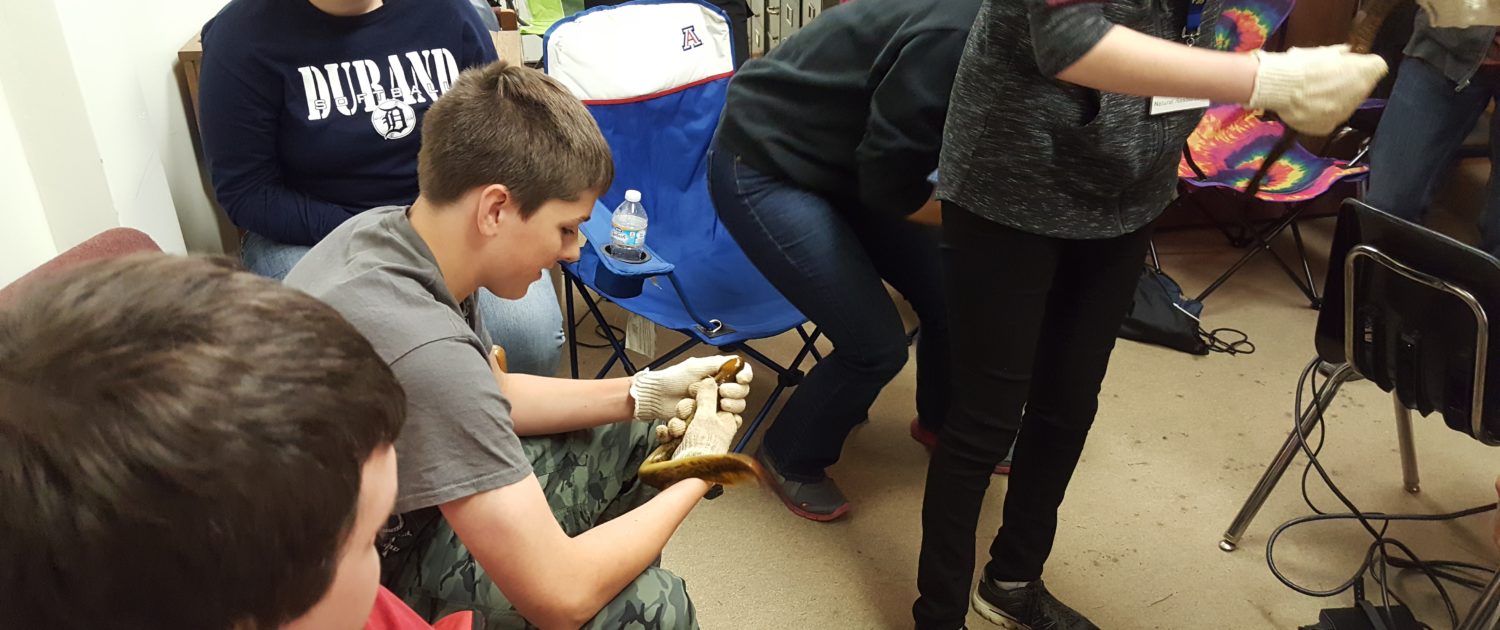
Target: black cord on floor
[[598, 332], [1227, 341], [1378, 558]]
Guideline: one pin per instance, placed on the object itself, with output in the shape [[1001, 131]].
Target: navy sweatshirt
[[308, 119], [852, 106]]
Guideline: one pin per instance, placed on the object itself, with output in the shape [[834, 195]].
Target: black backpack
[[1161, 315]]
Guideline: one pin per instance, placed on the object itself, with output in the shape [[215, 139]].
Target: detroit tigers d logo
[[393, 119]]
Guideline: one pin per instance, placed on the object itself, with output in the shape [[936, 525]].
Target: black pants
[[1038, 318]]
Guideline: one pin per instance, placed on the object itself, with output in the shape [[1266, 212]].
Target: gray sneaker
[[818, 501]]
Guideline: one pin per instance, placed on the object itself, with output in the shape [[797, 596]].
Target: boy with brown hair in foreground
[[187, 445]]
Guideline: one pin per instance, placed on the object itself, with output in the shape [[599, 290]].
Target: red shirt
[[390, 613]]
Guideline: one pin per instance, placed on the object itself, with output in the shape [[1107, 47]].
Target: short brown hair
[[511, 125], [181, 446]]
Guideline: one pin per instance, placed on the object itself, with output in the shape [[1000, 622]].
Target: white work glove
[[668, 393], [1461, 13], [1314, 90], [711, 430]]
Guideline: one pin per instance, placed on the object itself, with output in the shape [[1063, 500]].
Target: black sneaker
[[1030, 607], [820, 501]]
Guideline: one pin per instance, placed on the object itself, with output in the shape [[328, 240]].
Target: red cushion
[[108, 244]]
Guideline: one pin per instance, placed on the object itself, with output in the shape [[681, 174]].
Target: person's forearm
[[616, 552], [543, 406], [284, 215], [555, 580], [1129, 62]]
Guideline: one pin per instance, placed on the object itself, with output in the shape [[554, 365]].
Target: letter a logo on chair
[[690, 38]]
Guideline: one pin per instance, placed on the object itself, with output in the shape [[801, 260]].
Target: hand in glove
[[711, 430], [1313, 90], [703, 450], [669, 393]]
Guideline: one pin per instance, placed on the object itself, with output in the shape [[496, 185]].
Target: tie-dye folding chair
[[1230, 147]]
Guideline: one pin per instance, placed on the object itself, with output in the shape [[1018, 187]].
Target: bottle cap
[[633, 196]]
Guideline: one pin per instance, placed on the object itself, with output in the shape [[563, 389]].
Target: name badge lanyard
[[1193, 29]]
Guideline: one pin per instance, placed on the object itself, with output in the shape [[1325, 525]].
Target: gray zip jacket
[[1456, 52], [1049, 157]]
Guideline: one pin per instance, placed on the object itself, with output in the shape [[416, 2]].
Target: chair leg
[[609, 335], [809, 341], [572, 324], [809, 347], [786, 377], [1244, 260], [1262, 243], [760, 417], [676, 352], [1408, 447], [1311, 288], [1289, 450], [1485, 614]]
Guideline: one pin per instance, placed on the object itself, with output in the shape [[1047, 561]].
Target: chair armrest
[[596, 235]]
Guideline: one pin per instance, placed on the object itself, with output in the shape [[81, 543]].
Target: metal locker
[[756, 27], [811, 9], [791, 17], [773, 23]]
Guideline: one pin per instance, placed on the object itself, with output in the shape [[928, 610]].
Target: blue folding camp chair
[[654, 74]]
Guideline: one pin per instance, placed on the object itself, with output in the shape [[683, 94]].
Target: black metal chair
[[1414, 320]]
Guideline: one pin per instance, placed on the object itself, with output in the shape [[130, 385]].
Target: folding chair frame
[[1258, 239], [787, 376]]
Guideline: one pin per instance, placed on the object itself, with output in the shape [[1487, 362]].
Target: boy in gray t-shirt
[[523, 530]]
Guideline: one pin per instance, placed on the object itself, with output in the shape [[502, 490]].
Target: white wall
[[46, 103], [95, 118], [25, 241], [99, 42], [158, 28]]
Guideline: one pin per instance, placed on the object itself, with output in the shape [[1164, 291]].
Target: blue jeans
[[1424, 124], [828, 259], [530, 329]]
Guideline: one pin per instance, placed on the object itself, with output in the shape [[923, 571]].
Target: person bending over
[[821, 154]]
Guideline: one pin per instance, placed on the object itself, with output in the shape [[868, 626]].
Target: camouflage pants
[[589, 478]]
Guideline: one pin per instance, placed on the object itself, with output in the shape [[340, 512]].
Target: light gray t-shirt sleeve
[[1063, 31], [458, 440]]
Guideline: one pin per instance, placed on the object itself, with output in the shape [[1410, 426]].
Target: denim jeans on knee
[[829, 259], [530, 329], [268, 258]]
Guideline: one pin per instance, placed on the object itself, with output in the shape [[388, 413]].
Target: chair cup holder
[[614, 284], [609, 250]]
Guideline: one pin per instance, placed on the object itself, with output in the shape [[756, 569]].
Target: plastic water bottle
[[627, 233]]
